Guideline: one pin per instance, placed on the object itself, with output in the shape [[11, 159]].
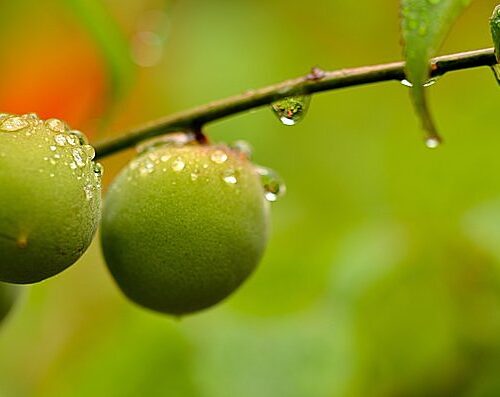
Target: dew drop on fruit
[[178, 164], [89, 191], [218, 157], [15, 123], [76, 137], [291, 110], [229, 176], [98, 170], [89, 151], [273, 184], [60, 139], [177, 139], [242, 147], [55, 125], [78, 157]]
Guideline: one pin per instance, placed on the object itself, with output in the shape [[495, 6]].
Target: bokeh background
[[382, 276]]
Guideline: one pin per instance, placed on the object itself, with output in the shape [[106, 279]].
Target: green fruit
[[49, 197], [8, 295], [183, 227]]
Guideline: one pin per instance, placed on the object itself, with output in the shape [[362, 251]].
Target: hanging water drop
[[291, 110], [273, 184], [432, 142], [428, 83]]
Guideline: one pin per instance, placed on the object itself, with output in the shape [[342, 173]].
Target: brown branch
[[316, 81]]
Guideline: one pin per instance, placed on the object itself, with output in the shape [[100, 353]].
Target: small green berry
[[49, 197], [184, 226]]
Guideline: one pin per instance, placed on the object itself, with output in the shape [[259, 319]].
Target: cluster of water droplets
[[151, 160], [292, 109], [70, 147], [431, 141], [428, 83]]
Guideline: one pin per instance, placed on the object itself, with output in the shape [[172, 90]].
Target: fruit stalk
[[315, 81]]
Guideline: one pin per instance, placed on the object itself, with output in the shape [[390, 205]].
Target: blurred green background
[[382, 276]]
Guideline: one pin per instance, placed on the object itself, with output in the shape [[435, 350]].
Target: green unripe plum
[[184, 226], [8, 296], [49, 197]]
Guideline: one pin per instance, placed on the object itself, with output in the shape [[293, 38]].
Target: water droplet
[[78, 157], [52, 148], [98, 170], [32, 119], [292, 109], [194, 176], [177, 139], [229, 176], [89, 191], [178, 164], [73, 165], [243, 147], [14, 123], [274, 186], [218, 157], [89, 151], [428, 83], [432, 142], [431, 81], [60, 139], [55, 125], [406, 83], [79, 136]]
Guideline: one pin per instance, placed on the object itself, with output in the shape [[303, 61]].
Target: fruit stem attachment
[[315, 81]]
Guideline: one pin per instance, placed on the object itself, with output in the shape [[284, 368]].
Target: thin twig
[[316, 81]]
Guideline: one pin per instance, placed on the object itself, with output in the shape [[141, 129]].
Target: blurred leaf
[[424, 25], [112, 41], [495, 30]]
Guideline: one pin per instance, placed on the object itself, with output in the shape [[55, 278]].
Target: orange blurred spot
[[54, 70]]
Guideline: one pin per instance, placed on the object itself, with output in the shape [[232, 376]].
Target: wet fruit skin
[[183, 227], [49, 201]]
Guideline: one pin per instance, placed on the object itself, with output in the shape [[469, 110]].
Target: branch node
[[316, 74]]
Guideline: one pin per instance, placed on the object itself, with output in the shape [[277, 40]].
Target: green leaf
[[495, 30], [424, 25], [111, 40]]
